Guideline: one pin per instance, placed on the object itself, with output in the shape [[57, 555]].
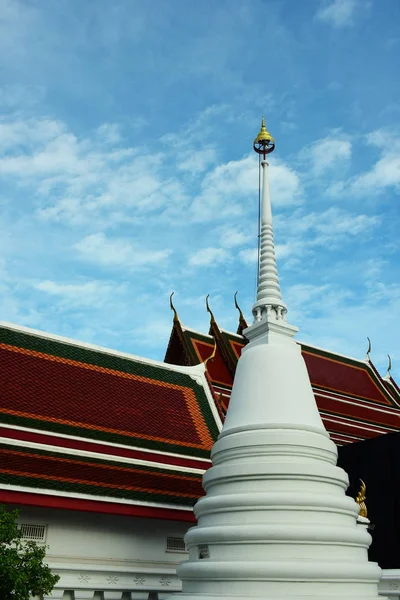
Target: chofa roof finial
[[242, 320], [209, 309], [388, 375], [176, 318], [369, 349]]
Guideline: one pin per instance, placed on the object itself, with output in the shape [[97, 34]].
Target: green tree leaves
[[23, 573]]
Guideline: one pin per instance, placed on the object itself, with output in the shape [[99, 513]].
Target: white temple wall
[[118, 557]]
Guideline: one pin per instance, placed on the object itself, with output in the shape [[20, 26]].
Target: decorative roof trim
[[375, 408], [29, 498], [111, 445], [330, 352], [99, 455], [356, 400], [356, 425], [100, 499], [236, 335], [95, 477], [190, 330]]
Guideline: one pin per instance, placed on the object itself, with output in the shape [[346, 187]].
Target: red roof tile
[[343, 379], [59, 387], [45, 470]]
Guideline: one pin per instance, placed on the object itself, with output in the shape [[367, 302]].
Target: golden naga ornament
[[361, 497]]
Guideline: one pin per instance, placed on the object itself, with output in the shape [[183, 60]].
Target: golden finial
[[264, 143], [212, 355], [176, 318], [361, 497], [209, 309]]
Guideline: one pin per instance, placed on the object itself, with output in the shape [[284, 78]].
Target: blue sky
[[127, 169]]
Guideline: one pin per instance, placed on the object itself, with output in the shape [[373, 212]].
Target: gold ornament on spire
[[361, 497], [264, 143]]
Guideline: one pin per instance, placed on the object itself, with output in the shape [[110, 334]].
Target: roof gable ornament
[[242, 321], [172, 307], [212, 318], [388, 375], [367, 357]]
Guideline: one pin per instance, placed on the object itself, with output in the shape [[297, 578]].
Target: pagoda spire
[[269, 302], [275, 522]]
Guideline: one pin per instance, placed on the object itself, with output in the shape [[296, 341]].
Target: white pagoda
[[275, 521]]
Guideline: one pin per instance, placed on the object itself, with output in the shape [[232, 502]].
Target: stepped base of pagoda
[[276, 523]]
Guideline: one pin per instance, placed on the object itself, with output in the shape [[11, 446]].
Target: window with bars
[[203, 551], [176, 544], [33, 532]]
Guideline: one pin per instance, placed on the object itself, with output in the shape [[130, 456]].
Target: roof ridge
[[238, 335], [184, 328], [198, 369]]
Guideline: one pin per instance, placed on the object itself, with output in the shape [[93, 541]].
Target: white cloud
[[228, 185], [333, 222], [89, 293], [248, 256], [208, 257], [339, 13], [384, 173], [283, 251], [326, 154], [108, 252], [153, 332], [109, 133], [232, 237], [78, 178], [285, 185], [196, 161]]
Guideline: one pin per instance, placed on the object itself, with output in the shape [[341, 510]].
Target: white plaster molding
[[113, 583], [109, 595], [389, 584], [83, 594]]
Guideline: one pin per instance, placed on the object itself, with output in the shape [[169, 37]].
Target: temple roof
[[89, 428], [355, 402], [29, 467], [58, 396]]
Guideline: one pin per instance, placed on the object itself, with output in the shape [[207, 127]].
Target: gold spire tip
[[264, 143]]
